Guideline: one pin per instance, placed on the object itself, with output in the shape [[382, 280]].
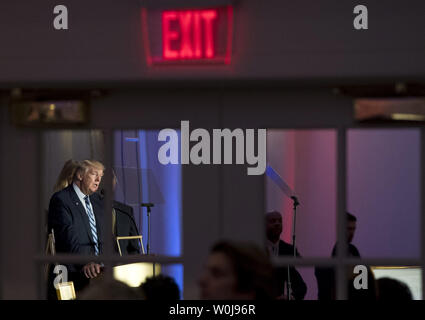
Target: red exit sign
[[188, 35], [192, 36]]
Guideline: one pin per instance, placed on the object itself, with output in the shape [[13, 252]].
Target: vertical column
[[41, 224], [108, 250], [422, 184], [19, 210], [341, 272], [2, 195]]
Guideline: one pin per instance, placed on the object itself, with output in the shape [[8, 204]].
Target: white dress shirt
[[81, 196], [273, 248]]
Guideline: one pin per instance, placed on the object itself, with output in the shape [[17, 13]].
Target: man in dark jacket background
[[277, 247]]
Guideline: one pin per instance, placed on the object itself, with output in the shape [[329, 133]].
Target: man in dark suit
[[76, 216], [277, 247], [326, 276], [351, 229], [123, 224]]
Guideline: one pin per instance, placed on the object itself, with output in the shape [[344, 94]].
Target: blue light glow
[[167, 234]]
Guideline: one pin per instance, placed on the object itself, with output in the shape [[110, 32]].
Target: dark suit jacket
[[326, 276], [299, 288], [126, 226], [68, 218], [352, 251]]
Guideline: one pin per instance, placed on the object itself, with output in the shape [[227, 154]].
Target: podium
[[118, 239], [134, 274], [64, 290], [137, 187]]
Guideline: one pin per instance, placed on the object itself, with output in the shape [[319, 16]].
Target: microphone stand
[[274, 176], [295, 205], [148, 206]]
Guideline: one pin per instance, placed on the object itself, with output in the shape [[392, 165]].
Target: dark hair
[[370, 293], [103, 289], [273, 212], [392, 289], [161, 288], [351, 217], [252, 267]]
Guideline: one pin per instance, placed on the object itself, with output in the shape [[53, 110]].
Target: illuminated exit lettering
[[188, 34]]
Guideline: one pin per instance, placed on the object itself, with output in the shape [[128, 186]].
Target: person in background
[[351, 230], [277, 247], [237, 271], [326, 276], [393, 290], [123, 224], [104, 289], [160, 287], [66, 175]]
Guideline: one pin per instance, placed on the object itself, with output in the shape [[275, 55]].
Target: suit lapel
[[80, 207]]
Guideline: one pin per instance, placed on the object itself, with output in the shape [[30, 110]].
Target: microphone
[[295, 199], [147, 204]]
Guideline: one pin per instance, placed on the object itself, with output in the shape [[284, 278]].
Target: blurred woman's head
[[237, 272], [66, 175]]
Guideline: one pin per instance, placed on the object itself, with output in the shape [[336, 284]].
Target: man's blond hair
[[85, 166]]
